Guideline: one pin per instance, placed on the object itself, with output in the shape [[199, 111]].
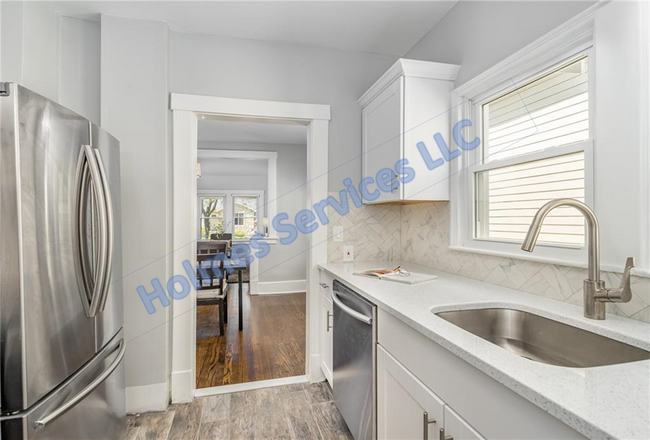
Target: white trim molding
[[412, 68], [212, 105], [186, 110], [572, 36], [280, 287], [569, 41], [248, 386]]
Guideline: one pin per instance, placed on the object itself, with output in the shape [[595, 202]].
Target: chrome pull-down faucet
[[596, 295]]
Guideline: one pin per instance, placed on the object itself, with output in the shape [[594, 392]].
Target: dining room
[[250, 315]]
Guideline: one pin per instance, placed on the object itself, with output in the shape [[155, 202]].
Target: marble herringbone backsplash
[[420, 234]]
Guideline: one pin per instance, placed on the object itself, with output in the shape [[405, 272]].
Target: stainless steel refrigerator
[[61, 315]]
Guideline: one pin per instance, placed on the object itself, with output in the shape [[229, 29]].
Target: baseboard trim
[[236, 388], [147, 398], [279, 287], [182, 382]]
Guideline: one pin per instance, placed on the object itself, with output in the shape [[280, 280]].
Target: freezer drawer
[[94, 397]]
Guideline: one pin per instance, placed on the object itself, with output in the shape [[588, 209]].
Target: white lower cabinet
[[407, 409], [325, 324], [457, 428], [326, 340], [417, 375]]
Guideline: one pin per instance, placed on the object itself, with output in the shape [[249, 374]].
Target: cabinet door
[[326, 347], [406, 408], [382, 125], [459, 429]]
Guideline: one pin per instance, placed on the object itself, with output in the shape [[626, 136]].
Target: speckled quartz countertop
[[599, 402]]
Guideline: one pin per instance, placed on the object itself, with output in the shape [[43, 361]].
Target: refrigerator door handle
[[90, 182], [110, 231], [40, 424]]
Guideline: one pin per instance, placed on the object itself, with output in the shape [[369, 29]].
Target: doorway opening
[[242, 168], [187, 111]]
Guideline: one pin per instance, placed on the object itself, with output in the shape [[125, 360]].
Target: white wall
[[236, 68], [55, 56], [280, 264], [79, 59], [134, 108], [478, 35], [30, 46], [233, 174]]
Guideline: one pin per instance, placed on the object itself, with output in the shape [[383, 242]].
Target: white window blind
[[550, 112]]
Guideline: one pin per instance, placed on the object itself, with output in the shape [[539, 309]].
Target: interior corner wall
[[30, 46], [134, 108], [479, 34], [79, 59]]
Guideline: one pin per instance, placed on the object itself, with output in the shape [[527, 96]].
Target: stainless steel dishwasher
[[355, 340]]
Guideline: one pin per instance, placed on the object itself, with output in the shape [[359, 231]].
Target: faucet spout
[[593, 234]]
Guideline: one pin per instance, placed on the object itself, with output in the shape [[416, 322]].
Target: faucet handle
[[624, 292]]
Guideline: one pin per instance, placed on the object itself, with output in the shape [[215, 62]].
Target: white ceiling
[[385, 27], [227, 131]]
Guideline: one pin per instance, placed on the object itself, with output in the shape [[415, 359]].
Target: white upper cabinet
[[408, 105]]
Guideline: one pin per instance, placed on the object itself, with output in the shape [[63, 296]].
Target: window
[[211, 216], [527, 159], [245, 209], [534, 115], [233, 212]]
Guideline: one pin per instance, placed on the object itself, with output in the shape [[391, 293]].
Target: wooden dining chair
[[211, 277]]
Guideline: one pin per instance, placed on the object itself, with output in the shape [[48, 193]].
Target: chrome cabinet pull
[[425, 425], [329, 326], [324, 285], [445, 437]]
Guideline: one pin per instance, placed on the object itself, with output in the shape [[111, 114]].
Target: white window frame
[[229, 208], [271, 158], [561, 46], [205, 194]]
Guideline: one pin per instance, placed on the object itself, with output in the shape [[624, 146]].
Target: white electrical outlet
[[348, 253], [338, 233]]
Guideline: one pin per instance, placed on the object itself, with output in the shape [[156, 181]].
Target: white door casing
[[186, 109]]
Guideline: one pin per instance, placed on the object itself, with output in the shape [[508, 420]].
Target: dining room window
[[231, 212], [211, 219], [245, 220]]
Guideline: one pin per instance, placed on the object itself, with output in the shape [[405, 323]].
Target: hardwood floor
[[301, 412], [271, 346]]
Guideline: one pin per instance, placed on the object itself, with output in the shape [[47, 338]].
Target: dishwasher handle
[[353, 313]]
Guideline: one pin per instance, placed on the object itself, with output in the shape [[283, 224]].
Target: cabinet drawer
[[325, 284]]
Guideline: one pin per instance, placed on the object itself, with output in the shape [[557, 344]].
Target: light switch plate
[[348, 253], [338, 233]]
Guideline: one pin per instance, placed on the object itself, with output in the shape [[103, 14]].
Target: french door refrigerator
[[61, 337]]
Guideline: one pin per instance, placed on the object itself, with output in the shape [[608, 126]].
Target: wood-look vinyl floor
[[301, 412], [271, 346]]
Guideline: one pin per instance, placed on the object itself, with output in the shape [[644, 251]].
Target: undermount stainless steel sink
[[543, 340]]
